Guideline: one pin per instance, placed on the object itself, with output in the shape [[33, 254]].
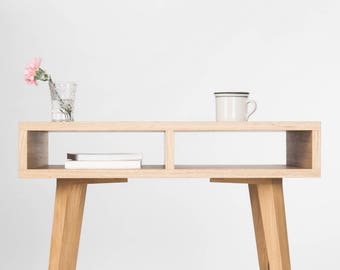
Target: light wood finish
[[94, 181], [300, 149], [68, 216], [164, 126], [303, 150], [37, 149], [258, 227], [169, 149], [180, 171], [22, 150], [33, 149], [241, 180], [270, 225], [265, 181], [316, 152]]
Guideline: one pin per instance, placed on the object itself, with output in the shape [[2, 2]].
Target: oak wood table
[[264, 181]]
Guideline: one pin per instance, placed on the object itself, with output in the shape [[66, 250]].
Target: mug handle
[[251, 101]]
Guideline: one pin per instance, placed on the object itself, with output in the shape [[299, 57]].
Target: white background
[[162, 60]]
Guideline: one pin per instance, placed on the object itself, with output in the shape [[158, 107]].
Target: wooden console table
[[264, 181]]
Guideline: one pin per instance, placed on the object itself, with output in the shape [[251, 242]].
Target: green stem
[[65, 109]]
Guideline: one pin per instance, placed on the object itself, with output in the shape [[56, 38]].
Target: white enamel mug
[[233, 106]]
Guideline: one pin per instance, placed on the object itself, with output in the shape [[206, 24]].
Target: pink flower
[[31, 69]]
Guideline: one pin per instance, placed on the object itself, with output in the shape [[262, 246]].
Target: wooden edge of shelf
[[215, 174], [92, 180], [168, 125], [243, 180]]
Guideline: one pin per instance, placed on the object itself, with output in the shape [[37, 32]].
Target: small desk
[[264, 181]]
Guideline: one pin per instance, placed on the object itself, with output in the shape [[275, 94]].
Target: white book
[[104, 156], [108, 164]]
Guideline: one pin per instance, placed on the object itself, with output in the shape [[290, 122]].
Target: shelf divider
[[169, 149]]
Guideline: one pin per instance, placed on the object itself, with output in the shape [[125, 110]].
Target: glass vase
[[62, 101]]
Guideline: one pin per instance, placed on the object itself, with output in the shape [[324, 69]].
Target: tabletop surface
[[170, 125]]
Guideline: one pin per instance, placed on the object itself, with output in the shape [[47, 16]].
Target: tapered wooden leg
[[258, 227], [270, 225], [68, 216]]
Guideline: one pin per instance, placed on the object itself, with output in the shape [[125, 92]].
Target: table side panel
[[303, 149], [317, 151], [22, 150]]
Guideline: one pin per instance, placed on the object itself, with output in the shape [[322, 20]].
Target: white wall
[[162, 60]]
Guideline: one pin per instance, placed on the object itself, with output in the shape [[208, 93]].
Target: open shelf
[[302, 150]]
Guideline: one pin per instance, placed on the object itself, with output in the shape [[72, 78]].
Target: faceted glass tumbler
[[62, 101]]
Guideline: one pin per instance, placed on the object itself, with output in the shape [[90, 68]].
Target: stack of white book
[[104, 161]]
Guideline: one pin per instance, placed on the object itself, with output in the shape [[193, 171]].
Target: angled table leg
[[270, 225], [68, 216], [258, 228]]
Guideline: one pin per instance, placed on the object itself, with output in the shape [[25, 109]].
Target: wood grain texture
[[303, 153], [37, 149], [94, 181], [300, 149], [316, 155], [303, 150], [169, 149], [68, 216], [22, 150], [163, 126], [32, 149], [180, 171], [258, 227], [271, 213], [241, 180], [265, 181]]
